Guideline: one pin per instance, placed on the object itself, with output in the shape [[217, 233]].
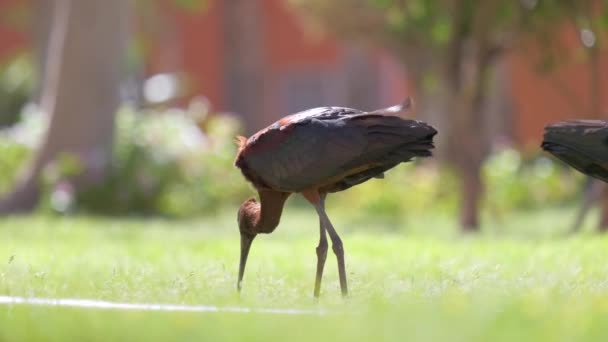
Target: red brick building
[[296, 70], [564, 93]]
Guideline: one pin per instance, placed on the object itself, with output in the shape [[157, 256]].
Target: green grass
[[521, 280]]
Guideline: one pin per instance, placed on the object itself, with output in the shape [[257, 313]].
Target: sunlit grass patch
[[417, 281]]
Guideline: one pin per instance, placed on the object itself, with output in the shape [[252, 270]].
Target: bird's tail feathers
[[580, 143], [399, 110], [588, 135]]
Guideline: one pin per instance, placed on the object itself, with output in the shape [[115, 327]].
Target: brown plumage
[[319, 151], [582, 144]]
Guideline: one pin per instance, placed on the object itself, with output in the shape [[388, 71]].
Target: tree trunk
[[244, 60], [466, 146], [468, 75], [80, 93], [40, 32], [472, 190]]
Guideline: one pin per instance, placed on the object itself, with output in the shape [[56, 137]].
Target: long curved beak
[[246, 241]]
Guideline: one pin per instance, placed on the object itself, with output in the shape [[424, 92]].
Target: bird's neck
[[268, 213]]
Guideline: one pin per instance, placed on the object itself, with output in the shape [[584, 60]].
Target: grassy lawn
[[519, 281]]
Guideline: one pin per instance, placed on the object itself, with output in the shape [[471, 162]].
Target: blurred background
[[131, 107]]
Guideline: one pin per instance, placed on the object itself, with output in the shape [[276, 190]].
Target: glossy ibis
[[316, 152], [582, 144]]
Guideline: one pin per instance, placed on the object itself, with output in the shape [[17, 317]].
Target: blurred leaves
[[16, 84], [12, 158], [424, 28], [514, 182], [192, 5], [165, 164]]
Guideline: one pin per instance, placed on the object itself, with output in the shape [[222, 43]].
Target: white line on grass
[[97, 304]]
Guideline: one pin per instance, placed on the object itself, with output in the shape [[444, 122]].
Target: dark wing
[[582, 144], [318, 150]]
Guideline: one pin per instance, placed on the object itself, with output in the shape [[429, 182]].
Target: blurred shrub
[[17, 143], [209, 179], [12, 157], [406, 190], [516, 182], [512, 182], [148, 151], [16, 84], [165, 163]]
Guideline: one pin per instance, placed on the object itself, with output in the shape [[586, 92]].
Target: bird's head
[[252, 222], [247, 215]]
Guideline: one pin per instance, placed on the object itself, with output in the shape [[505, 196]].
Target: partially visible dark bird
[[316, 152], [582, 144]]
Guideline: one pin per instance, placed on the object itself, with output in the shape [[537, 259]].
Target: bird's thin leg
[[338, 248], [336, 244], [321, 256]]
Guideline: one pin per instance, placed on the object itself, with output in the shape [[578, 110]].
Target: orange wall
[[192, 42], [203, 56], [194, 47], [11, 38], [287, 42], [544, 97]]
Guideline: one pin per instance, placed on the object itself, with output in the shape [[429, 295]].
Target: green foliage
[[17, 144], [16, 84], [192, 5], [422, 21], [431, 36], [164, 164], [514, 182], [148, 151], [210, 179], [12, 157], [404, 192]]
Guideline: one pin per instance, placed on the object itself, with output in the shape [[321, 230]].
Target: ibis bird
[[582, 144], [316, 152]]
